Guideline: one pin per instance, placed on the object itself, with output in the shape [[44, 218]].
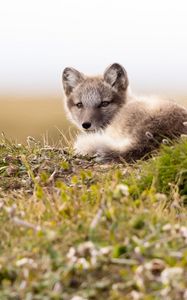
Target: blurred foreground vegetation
[[74, 229]]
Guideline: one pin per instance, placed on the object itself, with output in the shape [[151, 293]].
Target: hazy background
[[39, 38]]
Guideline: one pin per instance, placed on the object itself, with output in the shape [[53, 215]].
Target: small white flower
[[105, 250], [167, 227], [82, 262], [78, 298], [146, 244], [71, 253], [123, 188], [183, 231], [85, 248], [155, 265], [161, 197], [170, 274], [137, 250], [136, 295], [26, 261]]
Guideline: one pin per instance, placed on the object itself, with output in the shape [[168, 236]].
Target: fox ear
[[116, 76], [71, 78]]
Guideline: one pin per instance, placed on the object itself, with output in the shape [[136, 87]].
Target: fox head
[[92, 102]]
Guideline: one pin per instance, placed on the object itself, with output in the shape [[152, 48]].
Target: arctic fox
[[114, 123]]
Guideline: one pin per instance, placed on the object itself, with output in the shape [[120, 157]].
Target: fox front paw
[[84, 146]]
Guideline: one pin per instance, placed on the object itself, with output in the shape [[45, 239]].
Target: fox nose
[[86, 125]]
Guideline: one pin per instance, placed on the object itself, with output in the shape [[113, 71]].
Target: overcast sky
[[38, 38]]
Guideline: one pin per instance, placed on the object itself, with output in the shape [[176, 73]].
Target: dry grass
[[37, 117]]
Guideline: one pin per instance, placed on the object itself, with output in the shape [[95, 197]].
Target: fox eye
[[79, 105], [104, 103]]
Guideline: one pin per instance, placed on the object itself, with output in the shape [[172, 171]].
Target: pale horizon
[[40, 38]]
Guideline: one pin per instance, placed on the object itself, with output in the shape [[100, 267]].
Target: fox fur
[[114, 123]]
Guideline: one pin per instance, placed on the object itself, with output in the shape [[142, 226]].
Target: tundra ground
[[72, 228]]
